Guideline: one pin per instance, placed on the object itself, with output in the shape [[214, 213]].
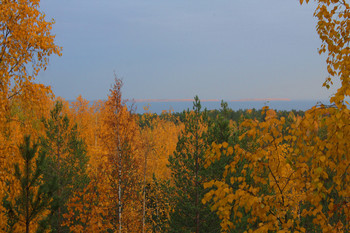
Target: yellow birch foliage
[[121, 157], [333, 28], [87, 118], [159, 141], [298, 178], [268, 193], [25, 45], [321, 142], [85, 202], [104, 126], [303, 170], [91, 211], [24, 117], [25, 38], [111, 133], [159, 138], [329, 150]]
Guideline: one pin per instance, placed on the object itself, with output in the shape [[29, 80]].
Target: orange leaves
[[285, 175], [269, 191], [120, 176], [159, 138], [333, 28], [301, 1], [222, 197], [91, 213], [25, 38], [25, 44]]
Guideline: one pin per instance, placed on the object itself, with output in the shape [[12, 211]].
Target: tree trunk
[[144, 192], [119, 184], [197, 182], [27, 195], [59, 181], [120, 198]]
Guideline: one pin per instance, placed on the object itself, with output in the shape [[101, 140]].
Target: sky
[[174, 49]]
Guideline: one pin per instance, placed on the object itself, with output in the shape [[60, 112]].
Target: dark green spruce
[[66, 163], [189, 175], [219, 131], [35, 196]]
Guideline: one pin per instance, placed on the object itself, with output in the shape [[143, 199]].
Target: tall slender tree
[[66, 163], [159, 137], [122, 173], [26, 43], [189, 174], [34, 197]]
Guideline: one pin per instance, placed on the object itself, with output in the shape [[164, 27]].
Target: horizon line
[[209, 100]]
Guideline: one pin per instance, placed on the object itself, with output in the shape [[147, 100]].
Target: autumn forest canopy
[[99, 167]]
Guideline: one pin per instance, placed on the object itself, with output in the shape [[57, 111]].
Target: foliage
[[121, 171], [188, 174], [102, 168], [158, 202], [333, 29], [66, 162], [298, 178], [29, 208], [25, 38]]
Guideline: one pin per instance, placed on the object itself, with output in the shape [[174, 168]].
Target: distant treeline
[[226, 112]]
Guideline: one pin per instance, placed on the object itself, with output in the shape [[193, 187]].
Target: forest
[[99, 167]]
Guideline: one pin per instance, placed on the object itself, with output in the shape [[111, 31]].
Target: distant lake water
[[158, 107]]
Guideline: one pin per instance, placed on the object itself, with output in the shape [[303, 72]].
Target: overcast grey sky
[[223, 49]]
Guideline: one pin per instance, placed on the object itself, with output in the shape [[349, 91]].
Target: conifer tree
[[34, 197], [219, 131], [221, 135], [189, 174], [66, 163]]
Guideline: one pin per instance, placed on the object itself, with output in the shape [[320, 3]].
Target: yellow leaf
[[322, 158], [230, 150]]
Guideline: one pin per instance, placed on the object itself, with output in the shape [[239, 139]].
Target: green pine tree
[[35, 195], [189, 174], [219, 131], [66, 163]]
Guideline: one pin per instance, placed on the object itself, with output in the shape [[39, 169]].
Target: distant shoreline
[[179, 106], [208, 100]]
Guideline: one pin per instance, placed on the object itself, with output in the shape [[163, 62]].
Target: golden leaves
[[304, 164], [159, 138], [333, 29], [25, 44]]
